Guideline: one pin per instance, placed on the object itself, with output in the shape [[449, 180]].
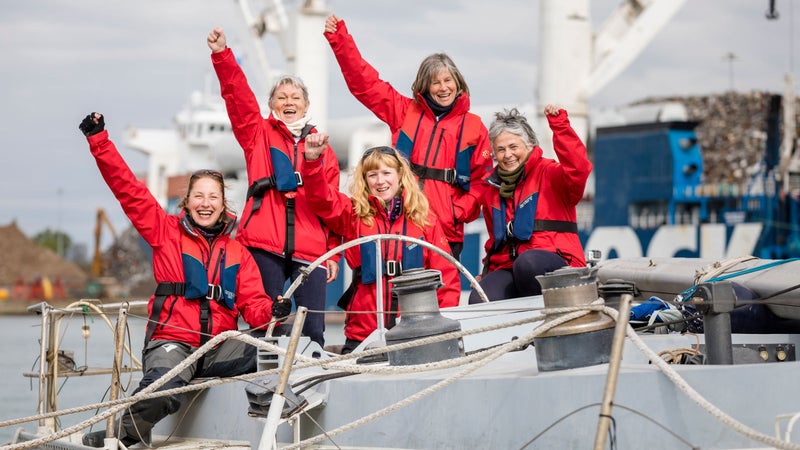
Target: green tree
[[57, 241]]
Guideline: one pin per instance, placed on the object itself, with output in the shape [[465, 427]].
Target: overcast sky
[[137, 62]]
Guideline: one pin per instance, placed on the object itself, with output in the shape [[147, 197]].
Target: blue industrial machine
[[650, 175]]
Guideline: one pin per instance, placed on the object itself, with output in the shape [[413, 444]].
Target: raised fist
[[216, 40], [92, 124], [315, 144]]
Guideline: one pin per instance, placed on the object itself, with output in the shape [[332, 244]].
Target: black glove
[[92, 125], [281, 308]]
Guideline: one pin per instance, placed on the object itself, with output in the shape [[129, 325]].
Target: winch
[[420, 318], [580, 342]]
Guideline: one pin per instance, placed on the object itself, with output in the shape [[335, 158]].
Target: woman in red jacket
[[529, 205], [385, 200], [206, 280], [446, 145], [277, 226]]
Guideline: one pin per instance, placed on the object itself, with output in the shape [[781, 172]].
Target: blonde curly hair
[[415, 205]]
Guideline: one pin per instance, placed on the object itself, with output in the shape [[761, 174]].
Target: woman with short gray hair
[[529, 204]]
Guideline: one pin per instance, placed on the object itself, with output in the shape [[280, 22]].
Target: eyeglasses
[[209, 173], [383, 149]]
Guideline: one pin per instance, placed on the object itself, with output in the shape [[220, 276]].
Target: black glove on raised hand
[[92, 125], [281, 308]]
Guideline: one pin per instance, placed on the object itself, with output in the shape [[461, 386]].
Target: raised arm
[[362, 79], [333, 207], [574, 164], [465, 204], [244, 111], [143, 210]]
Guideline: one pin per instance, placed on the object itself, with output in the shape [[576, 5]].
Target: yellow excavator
[[98, 264], [100, 285]]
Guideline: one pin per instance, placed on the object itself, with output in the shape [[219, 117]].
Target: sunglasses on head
[[207, 172], [382, 149]]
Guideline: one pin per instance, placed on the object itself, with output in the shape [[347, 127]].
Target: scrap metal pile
[[732, 132]]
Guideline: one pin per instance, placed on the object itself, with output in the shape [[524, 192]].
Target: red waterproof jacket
[[167, 235], [544, 200], [336, 209], [267, 142], [436, 142]]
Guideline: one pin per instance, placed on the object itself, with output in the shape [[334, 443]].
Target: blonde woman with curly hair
[[386, 199]]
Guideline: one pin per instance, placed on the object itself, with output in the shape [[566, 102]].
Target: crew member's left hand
[[315, 144]]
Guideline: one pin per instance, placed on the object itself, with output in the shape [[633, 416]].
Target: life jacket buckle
[[450, 175], [394, 268], [214, 292], [298, 178]]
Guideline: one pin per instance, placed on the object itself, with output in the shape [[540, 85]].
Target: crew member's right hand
[[330, 23], [216, 40], [332, 267], [92, 124], [281, 308]]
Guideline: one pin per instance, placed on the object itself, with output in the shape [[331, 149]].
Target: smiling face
[[509, 150], [443, 88], [205, 201], [383, 182], [289, 103]]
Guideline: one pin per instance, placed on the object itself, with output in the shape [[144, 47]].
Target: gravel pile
[[27, 260]]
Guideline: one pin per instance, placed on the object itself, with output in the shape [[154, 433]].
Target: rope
[[701, 276], [718, 267], [675, 355], [309, 362], [490, 356], [473, 362], [148, 393], [143, 394], [104, 316], [693, 395]]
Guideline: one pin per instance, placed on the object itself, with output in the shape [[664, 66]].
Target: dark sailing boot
[[97, 439]]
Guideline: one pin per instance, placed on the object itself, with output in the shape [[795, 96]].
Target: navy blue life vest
[[225, 261], [521, 226], [411, 258], [468, 137]]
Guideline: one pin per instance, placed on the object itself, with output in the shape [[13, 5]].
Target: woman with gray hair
[[529, 204], [447, 145]]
